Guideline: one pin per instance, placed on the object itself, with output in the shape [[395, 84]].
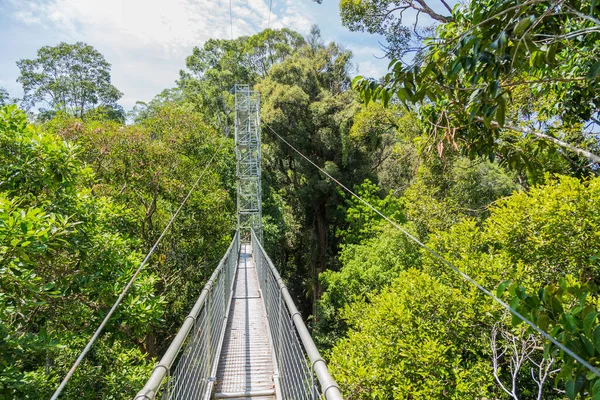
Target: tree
[[306, 100], [465, 76], [367, 268], [518, 352], [74, 77], [539, 248], [214, 69], [149, 167], [142, 110], [403, 33], [417, 339], [4, 97], [65, 254]]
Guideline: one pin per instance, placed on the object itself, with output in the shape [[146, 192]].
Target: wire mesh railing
[[302, 372], [200, 337]]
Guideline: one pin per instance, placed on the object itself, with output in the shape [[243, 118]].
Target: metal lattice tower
[[247, 151]]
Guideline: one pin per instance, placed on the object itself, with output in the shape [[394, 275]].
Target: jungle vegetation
[[483, 144]]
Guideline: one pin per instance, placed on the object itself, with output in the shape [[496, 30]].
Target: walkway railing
[[302, 372], [200, 337]]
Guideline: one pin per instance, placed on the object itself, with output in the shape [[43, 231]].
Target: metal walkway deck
[[246, 366]]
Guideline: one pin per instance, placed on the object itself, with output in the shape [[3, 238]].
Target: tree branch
[[580, 152], [427, 10]]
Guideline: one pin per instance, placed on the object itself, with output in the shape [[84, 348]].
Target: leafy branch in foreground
[[465, 78]]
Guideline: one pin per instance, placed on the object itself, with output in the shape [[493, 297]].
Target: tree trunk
[[150, 346], [321, 262]]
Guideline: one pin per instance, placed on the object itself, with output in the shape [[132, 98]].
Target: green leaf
[[402, 95], [543, 321], [522, 25], [557, 307], [456, 66], [570, 389], [562, 283], [550, 54], [569, 322], [501, 112], [589, 321], [357, 81], [515, 320], [502, 287], [589, 346], [594, 71], [521, 292], [385, 95], [596, 337], [495, 89], [596, 390]]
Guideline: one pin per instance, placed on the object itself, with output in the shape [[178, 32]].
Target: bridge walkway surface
[[246, 365]]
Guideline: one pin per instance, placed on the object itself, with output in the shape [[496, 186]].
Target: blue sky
[[147, 41]]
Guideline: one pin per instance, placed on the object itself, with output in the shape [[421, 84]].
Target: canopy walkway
[[244, 338]]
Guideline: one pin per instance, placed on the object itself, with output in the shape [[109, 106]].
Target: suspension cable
[[436, 255], [231, 19], [270, 6], [133, 278]]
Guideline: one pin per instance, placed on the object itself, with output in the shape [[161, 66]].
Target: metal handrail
[[214, 311], [289, 355]]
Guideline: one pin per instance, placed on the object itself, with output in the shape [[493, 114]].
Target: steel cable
[[270, 6], [446, 262]]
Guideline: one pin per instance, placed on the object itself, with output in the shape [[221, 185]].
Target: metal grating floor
[[246, 362]]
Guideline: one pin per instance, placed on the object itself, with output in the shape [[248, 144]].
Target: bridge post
[[248, 158], [209, 330]]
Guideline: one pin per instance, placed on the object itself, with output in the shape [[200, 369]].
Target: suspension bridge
[[244, 338]]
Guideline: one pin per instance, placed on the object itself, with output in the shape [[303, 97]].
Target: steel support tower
[[247, 152]]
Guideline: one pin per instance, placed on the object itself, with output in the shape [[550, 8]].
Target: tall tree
[[65, 254], [213, 69], [306, 100], [75, 77]]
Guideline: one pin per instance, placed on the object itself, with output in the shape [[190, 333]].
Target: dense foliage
[[60, 244], [466, 74], [79, 203], [457, 153], [541, 239]]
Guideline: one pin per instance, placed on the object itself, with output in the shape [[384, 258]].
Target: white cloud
[[369, 60], [147, 41], [143, 38], [294, 17], [170, 25], [371, 69]]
